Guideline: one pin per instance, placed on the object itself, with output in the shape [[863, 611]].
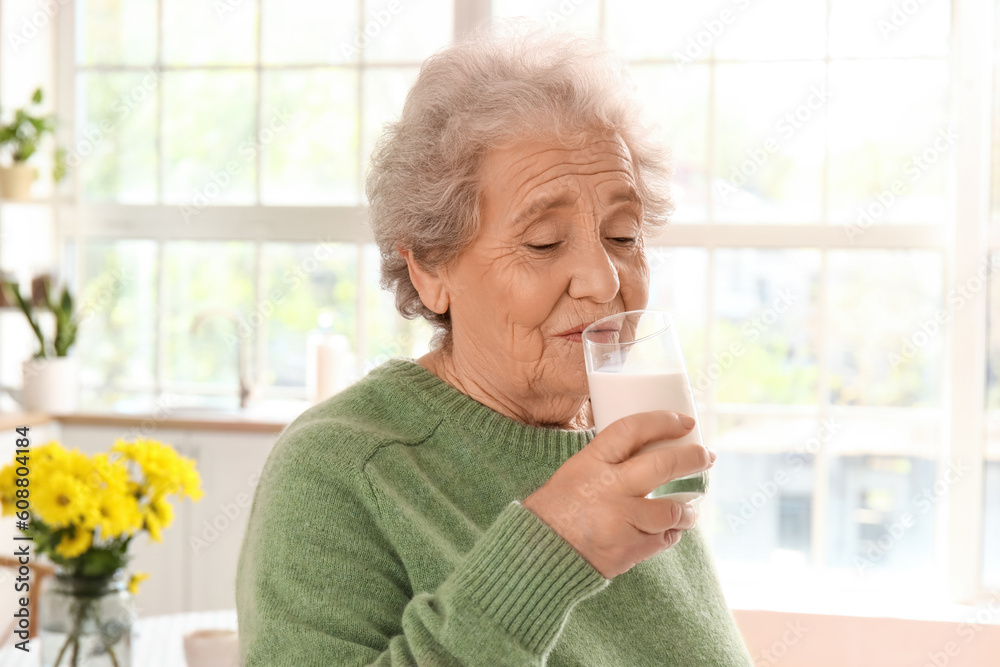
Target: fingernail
[[689, 513], [712, 455], [686, 421]]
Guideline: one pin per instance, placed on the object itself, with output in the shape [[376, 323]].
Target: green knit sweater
[[386, 529]]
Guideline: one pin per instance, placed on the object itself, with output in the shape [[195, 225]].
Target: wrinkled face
[[560, 246]]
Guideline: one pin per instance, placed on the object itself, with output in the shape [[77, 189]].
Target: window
[[826, 216]]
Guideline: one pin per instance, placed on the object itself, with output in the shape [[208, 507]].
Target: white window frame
[[964, 244]]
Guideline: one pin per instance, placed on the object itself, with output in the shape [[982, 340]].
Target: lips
[[574, 334]]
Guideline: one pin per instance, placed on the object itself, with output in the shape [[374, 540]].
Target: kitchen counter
[[269, 417]]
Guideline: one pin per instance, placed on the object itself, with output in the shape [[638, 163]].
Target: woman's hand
[[596, 499]]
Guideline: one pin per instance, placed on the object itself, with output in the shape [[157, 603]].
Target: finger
[[658, 515], [656, 466], [626, 436]]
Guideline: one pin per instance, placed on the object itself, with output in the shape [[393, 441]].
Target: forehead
[[518, 169]]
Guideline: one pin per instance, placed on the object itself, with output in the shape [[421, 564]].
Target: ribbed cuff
[[525, 577]]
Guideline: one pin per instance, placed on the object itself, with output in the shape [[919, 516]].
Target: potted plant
[[20, 137], [51, 376], [83, 514]]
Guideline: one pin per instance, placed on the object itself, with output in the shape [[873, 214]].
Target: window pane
[[771, 29], [214, 279], [577, 16], [993, 338], [881, 508], [891, 147], [115, 32], [209, 139], [302, 281], [115, 149], [991, 523], [328, 36], [678, 279], [397, 31], [312, 154], [389, 334], [769, 152], [767, 327], [678, 30], [889, 28], [676, 99], [117, 301], [884, 327], [760, 492], [385, 90], [196, 32], [26, 240]]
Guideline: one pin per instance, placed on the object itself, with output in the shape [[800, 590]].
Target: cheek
[[533, 292], [634, 278]]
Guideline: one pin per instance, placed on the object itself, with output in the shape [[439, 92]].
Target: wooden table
[[157, 641]]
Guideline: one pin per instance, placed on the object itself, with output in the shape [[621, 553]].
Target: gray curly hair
[[508, 82]]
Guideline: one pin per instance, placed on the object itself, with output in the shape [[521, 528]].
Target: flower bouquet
[[83, 512]]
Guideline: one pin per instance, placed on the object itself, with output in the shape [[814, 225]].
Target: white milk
[[616, 395]]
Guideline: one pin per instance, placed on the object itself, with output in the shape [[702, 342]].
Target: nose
[[595, 276]]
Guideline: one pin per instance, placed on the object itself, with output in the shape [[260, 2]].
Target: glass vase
[[86, 621]]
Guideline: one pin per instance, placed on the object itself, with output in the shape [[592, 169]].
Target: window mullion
[[972, 62]]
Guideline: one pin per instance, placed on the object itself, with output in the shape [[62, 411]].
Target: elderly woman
[[458, 509]]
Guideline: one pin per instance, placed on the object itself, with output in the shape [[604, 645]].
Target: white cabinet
[[194, 568]]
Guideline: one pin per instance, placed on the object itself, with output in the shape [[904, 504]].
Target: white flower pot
[[15, 182], [51, 385]]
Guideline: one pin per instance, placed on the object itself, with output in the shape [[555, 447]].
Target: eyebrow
[[546, 204], [540, 206]]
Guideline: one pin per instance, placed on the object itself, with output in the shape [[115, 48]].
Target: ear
[[431, 288]]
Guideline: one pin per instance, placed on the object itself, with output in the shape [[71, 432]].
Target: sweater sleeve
[[319, 584]]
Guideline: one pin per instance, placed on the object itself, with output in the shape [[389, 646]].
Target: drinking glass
[[635, 364]]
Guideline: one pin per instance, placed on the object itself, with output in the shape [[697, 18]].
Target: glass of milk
[[635, 364]]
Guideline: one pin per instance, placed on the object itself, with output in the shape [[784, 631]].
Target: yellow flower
[[108, 473], [135, 580], [71, 547], [117, 513], [61, 500], [159, 463], [50, 452], [190, 479], [8, 489], [158, 514]]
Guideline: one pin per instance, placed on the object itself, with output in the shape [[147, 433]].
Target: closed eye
[[544, 246], [625, 240]]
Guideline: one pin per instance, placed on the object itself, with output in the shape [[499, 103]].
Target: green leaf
[[37, 96]]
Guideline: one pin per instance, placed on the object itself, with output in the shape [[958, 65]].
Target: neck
[[533, 409]]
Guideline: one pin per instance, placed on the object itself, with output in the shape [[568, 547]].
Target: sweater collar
[[487, 425]]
